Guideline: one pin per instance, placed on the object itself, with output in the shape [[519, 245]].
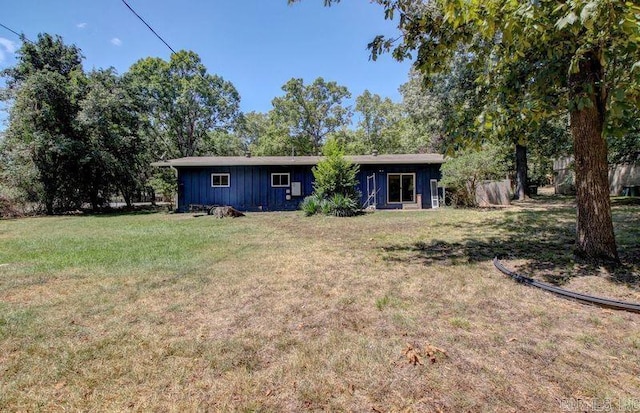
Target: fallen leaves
[[415, 354]]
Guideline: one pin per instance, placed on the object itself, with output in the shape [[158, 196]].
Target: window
[[220, 180], [401, 188], [280, 180]]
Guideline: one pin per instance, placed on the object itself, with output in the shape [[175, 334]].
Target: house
[[280, 183]]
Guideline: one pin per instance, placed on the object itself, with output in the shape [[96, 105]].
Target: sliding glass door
[[401, 188]]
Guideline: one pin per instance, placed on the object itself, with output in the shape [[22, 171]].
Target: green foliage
[[312, 205], [184, 103], [77, 137], [378, 125], [335, 174], [536, 60], [164, 183], [262, 135], [335, 181], [341, 205], [220, 142], [46, 85], [625, 149], [311, 112], [462, 174], [445, 107], [114, 157]]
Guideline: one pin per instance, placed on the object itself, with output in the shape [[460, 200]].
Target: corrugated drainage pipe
[[587, 299]]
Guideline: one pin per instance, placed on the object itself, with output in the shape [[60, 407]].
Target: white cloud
[[6, 46], [81, 25], [116, 42]]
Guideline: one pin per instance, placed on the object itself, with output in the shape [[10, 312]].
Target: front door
[[401, 188]]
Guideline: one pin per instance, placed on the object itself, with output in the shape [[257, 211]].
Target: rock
[[225, 211]]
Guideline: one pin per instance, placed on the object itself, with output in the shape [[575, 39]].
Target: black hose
[[588, 299]]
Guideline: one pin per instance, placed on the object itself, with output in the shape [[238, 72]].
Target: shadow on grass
[[543, 238]]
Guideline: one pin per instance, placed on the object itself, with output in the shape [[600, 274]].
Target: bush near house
[[335, 185], [462, 174]]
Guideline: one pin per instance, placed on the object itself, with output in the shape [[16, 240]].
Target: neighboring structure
[[494, 193], [624, 179], [280, 183], [564, 180]]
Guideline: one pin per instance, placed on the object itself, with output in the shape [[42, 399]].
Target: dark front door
[[401, 188]]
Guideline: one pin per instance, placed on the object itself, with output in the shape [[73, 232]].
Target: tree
[[378, 117], [335, 184], [424, 107], [579, 55], [184, 102], [220, 142], [46, 86], [311, 112], [114, 154], [462, 173], [262, 135]]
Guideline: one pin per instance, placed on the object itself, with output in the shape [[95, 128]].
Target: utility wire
[[150, 28], [21, 36]]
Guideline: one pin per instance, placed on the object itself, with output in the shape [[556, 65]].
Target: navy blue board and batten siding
[[249, 187], [424, 174], [250, 180]]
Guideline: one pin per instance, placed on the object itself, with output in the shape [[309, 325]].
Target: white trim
[[288, 174], [435, 201], [401, 174], [221, 175]]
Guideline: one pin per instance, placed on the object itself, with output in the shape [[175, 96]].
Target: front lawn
[[278, 312]]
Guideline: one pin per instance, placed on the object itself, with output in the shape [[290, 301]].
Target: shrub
[[8, 208], [335, 185], [312, 205], [342, 206], [462, 174]]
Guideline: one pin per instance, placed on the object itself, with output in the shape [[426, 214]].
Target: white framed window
[[220, 180], [280, 180], [401, 188]]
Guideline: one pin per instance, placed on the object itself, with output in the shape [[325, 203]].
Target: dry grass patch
[[277, 312]]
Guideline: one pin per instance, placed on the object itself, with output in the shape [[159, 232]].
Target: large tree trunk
[[594, 231], [522, 190]]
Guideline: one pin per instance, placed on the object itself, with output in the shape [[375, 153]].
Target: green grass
[[278, 312]]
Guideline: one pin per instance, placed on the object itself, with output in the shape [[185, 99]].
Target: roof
[[423, 158]]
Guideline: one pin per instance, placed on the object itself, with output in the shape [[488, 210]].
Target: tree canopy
[[184, 101], [537, 58], [312, 112], [77, 137]]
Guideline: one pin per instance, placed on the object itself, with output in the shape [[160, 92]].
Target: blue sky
[[256, 44]]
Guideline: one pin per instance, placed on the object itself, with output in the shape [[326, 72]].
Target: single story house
[[280, 183]]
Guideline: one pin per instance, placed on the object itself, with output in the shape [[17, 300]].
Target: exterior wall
[[250, 186], [624, 175], [620, 177], [563, 177], [424, 174]]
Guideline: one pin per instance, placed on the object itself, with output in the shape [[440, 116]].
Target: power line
[[150, 28], [21, 36]]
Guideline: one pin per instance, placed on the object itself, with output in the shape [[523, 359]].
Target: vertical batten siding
[[424, 174], [250, 186]]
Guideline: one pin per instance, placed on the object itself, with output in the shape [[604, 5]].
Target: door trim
[[401, 174]]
